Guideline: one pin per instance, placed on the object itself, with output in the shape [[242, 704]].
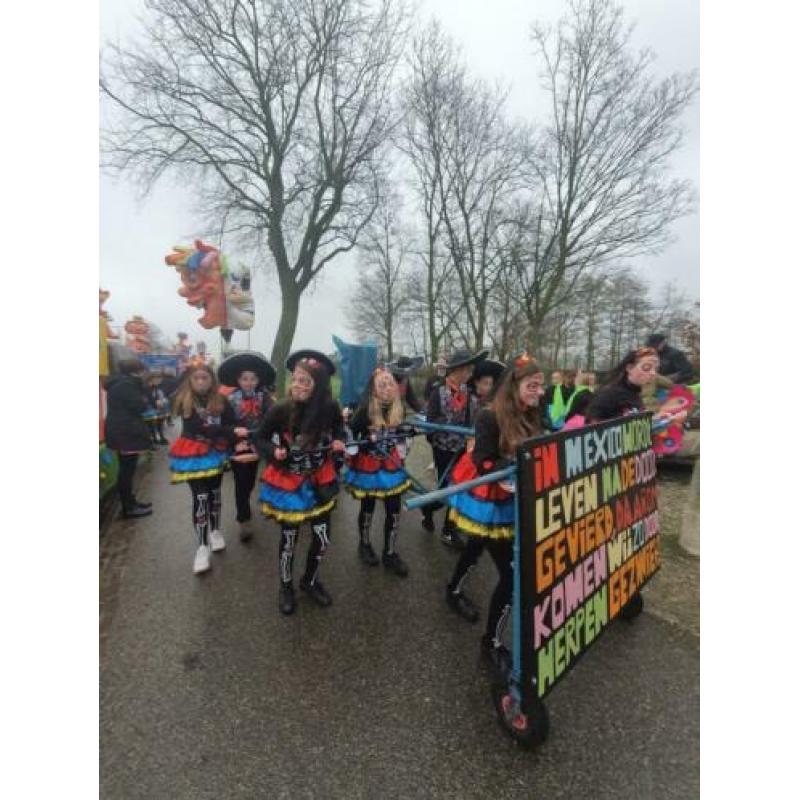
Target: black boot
[[141, 504], [134, 511], [393, 563], [367, 554], [427, 521], [496, 656], [462, 605], [286, 599], [316, 591]]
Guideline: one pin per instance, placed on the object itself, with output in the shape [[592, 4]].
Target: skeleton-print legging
[[390, 523], [320, 539], [206, 506]]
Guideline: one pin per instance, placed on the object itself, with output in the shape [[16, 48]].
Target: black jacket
[[674, 365], [126, 431], [614, 401], [196, 427], [277, 422]]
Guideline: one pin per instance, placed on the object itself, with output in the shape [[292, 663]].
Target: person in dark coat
[[673, 363], [126, 431]]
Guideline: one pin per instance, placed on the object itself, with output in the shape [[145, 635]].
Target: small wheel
[[528, 730], [632, 608]]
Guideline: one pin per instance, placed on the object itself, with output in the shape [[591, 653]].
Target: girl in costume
[[451, 403], [486, 514], [198, 456], [252, 376], [376, 470], [298, 438]]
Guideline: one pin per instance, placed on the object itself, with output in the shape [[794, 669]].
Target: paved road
[[207, 692]]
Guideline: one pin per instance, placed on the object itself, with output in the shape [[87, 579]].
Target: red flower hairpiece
[[523, 359]]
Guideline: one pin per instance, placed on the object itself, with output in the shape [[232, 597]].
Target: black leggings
[[244, 478], [443, 459], [390, 524], [206, 506], [127, 468], [320, 539], [502, 553]]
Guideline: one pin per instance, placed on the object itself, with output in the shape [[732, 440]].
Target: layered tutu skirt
[[295, 498], [486, 510], [368, 476], [190, 459]]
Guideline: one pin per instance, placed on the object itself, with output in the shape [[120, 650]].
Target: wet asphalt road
[[207, 692]]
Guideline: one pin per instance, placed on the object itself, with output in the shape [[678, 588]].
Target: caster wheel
[[632, 608], [527, 730]]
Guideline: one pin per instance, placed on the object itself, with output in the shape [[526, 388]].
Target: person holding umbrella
[[451, 403], [252, 377]]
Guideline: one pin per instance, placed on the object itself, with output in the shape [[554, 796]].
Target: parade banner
[[589, 538]]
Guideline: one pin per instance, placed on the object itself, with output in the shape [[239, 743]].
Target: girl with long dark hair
[[298, 438], [623, 392]]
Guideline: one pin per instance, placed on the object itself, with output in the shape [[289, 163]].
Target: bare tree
[[434, 70], [383, 291], [276, 112], [602, 160]]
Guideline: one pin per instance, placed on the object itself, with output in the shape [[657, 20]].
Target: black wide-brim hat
[[488, 367], [405, 365], [315, 359], [234, 365], [463, 358]]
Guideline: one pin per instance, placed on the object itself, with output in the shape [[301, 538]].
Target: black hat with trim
[[404, 365], [463, 358], [234, 365], [311, 358], [488, 367]]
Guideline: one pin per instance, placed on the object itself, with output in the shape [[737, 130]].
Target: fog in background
[[136, 234]]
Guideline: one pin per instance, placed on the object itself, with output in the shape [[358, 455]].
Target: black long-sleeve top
[[277, 422], [486, 454], [202, 425], [615, 401]]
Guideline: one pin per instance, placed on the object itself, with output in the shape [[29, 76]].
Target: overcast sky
[[136, 235]]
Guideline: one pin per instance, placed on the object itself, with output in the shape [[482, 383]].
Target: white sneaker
[[202, 559], [216, 540]]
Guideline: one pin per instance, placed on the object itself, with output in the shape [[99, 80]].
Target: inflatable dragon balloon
[[209, 283]]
